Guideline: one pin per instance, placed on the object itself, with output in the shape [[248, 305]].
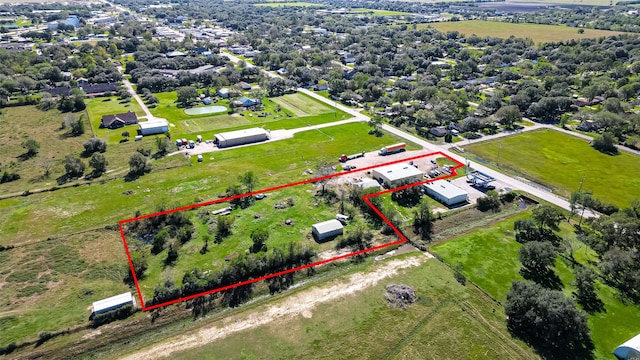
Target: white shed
[[629, 350], [111, 303], [157, 126], [396, 174], [445, 192], [326, 229], [240, 137]]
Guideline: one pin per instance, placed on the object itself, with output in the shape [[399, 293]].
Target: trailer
[[392, 149], [345, 158]]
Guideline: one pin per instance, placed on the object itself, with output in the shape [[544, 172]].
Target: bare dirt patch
[[301, 303]]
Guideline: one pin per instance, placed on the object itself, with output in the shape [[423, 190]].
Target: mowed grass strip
[[447, 321], [559, 161], [489, 258], [539, 33], [68, 210], [302, 104]]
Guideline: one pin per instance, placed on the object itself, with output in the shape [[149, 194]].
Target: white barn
[[396, 174], [445, 192], [629, 350], [326, 229], [240, 137], [111, 303], [157, 126]]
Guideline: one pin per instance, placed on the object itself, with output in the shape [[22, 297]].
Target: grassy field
[[50, 285], [559, 161], [379, 12], [537, 32], [489, 258], [292, 3], [448, 321], [574, 2], [99, 106], [285, 112], [75, 209]]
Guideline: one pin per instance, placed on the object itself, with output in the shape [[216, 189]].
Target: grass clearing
[[539, 33], [69, 210], [489, 258], [302, 104], [559, 161], [460, 322]]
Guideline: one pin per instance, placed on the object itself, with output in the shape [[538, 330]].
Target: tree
[[323, 173], [547, 216], [423, 220], [159, 240], [605, 143], [509, 115], [376, 123], [31, 146], [163, 144], [46, 164], [548, 321], [537, 257], [259, 236], [94, 145], [99, 163], [73, 166], [249, 180], [408, 197], [140, 265], [585, 293], [77, 126], [187, 94], [223, 227], [489, 202], [139, 164]]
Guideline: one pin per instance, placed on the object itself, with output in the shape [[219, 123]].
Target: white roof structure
[[328, 226], [153, 124], [629, 350], [112, 302], [369, 183], [397, 172], [445, 188]]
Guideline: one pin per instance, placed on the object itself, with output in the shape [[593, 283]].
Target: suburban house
[[321, 87], [115, 121], [439, 131], [243, 85], [223, 93]]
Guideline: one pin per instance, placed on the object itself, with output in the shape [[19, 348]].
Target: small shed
[[240, 137], [111, 303], [396, 174], [445, 192], [158, 126], [629, 350], [326, 230], [223, 93]]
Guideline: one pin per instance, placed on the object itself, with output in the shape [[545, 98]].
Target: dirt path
[[301, 303]]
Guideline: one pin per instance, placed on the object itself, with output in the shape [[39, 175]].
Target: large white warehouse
[[157, 126], [241, 137], [396, 174], [445, 192]]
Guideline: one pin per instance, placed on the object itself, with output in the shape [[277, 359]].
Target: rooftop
[[328, 226], [398, 171], [445, 188], [153, 123], [241, 133], [112, 301]]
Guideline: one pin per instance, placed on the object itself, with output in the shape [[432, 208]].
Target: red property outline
[[366, 198]]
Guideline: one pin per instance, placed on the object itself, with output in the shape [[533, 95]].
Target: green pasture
[[447, 321], [539, 33], [302, 104], [573, 2], [489, 258], [291, 3], [64, 211], [559, 161]]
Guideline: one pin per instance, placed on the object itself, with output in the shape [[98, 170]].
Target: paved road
[[135, 95]]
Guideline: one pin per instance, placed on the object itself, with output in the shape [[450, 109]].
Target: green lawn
[[539, 33], [449, 321], [41, 215], [302, 104], [559, 161], [99, 106], [489, 258]]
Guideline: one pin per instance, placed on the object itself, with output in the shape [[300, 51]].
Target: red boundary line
[[365, 198]]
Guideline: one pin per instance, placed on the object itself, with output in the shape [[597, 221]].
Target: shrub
[[95, 145]]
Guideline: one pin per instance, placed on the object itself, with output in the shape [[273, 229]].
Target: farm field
[[53, 213], [489, 258], [559, 161], [460, 322], [537, 32], [290, 3]]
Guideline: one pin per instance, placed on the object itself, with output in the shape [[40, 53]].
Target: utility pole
[[498, 158], [581, 182]]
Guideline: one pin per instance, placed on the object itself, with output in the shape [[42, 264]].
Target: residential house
[[243, 85], [246, 102], [223, 93], [439, 131], [115, 121]]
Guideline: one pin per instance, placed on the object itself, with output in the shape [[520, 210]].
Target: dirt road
[[302, 303]]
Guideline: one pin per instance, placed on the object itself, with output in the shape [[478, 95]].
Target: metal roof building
[[157, 126], [112, 303], [396, 174], [629, 350], [326, 229], [241, 137], [445, 192]]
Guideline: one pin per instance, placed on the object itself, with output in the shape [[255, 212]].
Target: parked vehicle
[[392, 149]]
